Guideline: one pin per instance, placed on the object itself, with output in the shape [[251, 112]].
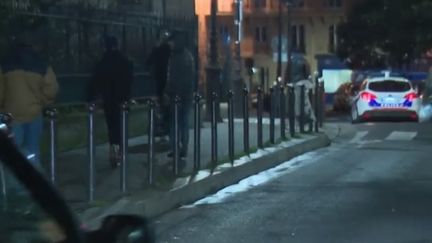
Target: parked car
[[385, 98], [31, 210]]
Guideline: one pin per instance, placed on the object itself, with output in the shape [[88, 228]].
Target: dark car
[[31, 210]]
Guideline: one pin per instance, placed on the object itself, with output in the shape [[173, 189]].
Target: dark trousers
[[184, 110], [113, 119]]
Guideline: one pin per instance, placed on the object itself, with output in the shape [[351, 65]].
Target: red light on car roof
[[411, 96], [367, 96]]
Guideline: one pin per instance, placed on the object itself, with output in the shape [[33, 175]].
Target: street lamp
[[279, 47], [238, 82], [213, 69], [289, 4]]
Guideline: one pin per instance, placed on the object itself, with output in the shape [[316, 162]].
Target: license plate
[[391, 105]]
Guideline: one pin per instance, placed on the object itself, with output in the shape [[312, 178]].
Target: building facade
[[313, 29]]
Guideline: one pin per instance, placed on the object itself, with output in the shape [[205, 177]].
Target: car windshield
[[21, 218], [389, 86]]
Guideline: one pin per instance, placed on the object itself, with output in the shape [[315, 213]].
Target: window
[[298, 4], [333, 38], [298, 37], [260, 3], [247, 4], [333, 3], [390, 86], [261, 34], [224, 30]]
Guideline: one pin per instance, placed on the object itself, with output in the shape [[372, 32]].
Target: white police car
[[385, 98]]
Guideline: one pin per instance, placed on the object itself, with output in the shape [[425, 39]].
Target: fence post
[[3, 188], [282, 113], [316, 103], [246, 121], [5, 120], [91, 152], [214, 140], [124, 147], [176, 135], [52, 116], [322, 100], [151, 135], [197, 133], [272, 117], [291, 110], [260, 117], [311, 123], [231, 126], [302, 108]]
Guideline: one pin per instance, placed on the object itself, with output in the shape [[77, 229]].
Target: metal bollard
[[246, 121], [316, 103], [52, 116], [214, 140], [260, 117], [272, 117], [231, 126], [176, 135], [5, 121], [291, 110], [151, 135], [4, 194], [124, 147], [302, 108], [282, 113], [322, 109], [91, 152], [311, 123], [197, 133]]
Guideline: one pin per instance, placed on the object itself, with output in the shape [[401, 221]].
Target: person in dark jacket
[[112, 80], [158, 61], [181, 76]]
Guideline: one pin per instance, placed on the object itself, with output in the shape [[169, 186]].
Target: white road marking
[[401, 136], [358, 136]]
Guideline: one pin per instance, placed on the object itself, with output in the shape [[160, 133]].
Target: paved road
[[374, 184]]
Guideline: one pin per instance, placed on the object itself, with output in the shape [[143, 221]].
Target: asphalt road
[[374, 184]]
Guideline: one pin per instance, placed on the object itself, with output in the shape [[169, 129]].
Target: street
[[373, 184]]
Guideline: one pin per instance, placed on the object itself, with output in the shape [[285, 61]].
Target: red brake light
[[367, 96], [411, 96]]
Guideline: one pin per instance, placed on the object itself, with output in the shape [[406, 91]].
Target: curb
[[158, 203]]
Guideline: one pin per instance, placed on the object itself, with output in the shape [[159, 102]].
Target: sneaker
[[114, 156]]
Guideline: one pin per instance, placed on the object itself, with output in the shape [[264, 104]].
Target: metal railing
[[286, 101]]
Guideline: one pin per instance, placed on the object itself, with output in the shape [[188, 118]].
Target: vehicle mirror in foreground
[[123, 229]]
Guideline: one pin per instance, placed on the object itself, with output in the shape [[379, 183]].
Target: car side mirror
[[123, 229]]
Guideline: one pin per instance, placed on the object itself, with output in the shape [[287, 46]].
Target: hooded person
[[27, 85], [158, 61], [112, 80], [181, 83]]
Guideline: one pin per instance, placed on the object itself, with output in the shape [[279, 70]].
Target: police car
[[385, 98]]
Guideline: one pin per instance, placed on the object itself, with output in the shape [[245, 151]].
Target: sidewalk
[[72, 167]]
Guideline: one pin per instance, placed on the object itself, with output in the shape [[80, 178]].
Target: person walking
[[158, 61], [27, 85], [181, 76], [112, 80]]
